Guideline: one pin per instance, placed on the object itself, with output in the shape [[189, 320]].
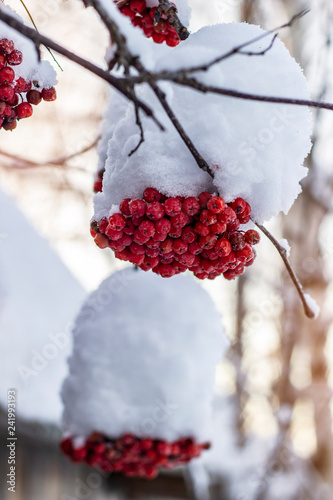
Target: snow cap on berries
[[256, 149], [144, 346]]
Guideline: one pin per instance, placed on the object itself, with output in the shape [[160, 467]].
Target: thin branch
[[307, 309], [20, 162], [260, 52], [39, 39], [238, 49], [191, 82]]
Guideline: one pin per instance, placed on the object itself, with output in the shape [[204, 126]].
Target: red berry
[[7, 75], [14, 101], [153, 244], [218, 228], [228, 215], [152, 252], [112, 233], [166, 246], [49, 94], [163, 225], [139, 237], [103, 224], [24, 110], [187, 259], [207, 242], [150, 194], [129, 228], [165, 270], [149, 263], [252, 237], [180, 220], [138, 6], [22, 85], [201, 229], [101, 240], [194, 248], [6, 92], [237, 241], [180, 247], [155, 211], [137, 220], [238, 205], [160, 236], [223, 247], [175, 232], [160, 27], [117, 222], [158, 37], [172, 206], [216, 204], [171, 41], [189, 235], [136, 259], [125, 240], [204, 198], [207, 217], [137, 208], [124, 206], [191, 206], [6, 46], [147, 228], [234, 226], [15, 58]]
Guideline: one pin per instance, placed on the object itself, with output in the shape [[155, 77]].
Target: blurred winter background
[[273, 426]]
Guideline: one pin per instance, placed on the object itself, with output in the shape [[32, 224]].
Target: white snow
[[145, 351], [38, 301], [30, 69], [256, 149], [285, 245], [312, 304]]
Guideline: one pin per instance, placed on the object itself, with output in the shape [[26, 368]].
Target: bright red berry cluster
[[143, 17], [133, 456], [16, 94], [171, 235]]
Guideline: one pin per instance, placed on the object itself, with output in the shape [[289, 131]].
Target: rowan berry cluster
[[133, 456], [143, 17], [16, 94], [171, 235]]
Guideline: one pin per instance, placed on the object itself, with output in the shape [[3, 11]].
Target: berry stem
[[307, 309]]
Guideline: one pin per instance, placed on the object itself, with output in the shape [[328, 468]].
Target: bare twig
[[307, 309], [19, 162]]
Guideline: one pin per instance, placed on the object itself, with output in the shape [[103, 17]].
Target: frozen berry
[[15, 58], [49, 94], [24, 110]]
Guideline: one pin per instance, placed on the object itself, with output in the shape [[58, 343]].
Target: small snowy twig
[[283, 253], [39, 40], [171, 12], [238, 49]]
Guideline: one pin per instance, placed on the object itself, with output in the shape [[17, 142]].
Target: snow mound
[[144, 358], [38, 301], [31, 68], [256, 149]]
